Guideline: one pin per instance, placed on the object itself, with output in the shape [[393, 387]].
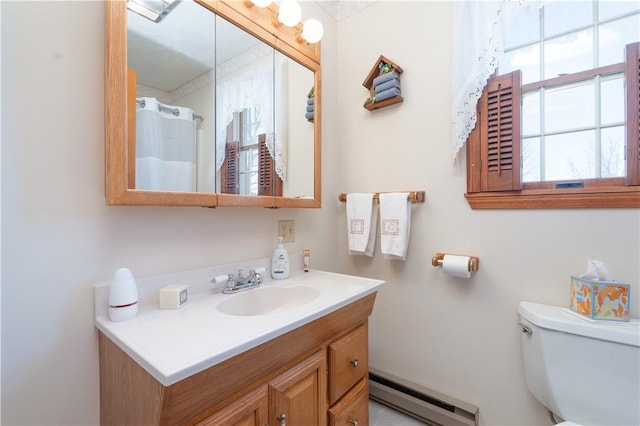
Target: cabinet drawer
[[348, 362], [353, 409]]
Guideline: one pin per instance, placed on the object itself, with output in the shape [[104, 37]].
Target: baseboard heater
[[426, 405]]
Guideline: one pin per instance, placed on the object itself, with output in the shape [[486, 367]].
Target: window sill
[[602, 197]]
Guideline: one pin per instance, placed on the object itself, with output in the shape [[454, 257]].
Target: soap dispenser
[[280, 262]]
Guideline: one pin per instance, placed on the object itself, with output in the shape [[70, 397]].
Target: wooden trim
[[132, 77], [612, 197], [632, 82], [115, 101], [259, 22]]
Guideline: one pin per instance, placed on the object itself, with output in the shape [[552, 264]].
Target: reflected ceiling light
[[289, 13], [154, 10], [312, 30]]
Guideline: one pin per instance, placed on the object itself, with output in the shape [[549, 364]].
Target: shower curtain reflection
[[165, 147]]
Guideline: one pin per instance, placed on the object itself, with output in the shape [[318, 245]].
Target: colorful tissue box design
[[600, 300]]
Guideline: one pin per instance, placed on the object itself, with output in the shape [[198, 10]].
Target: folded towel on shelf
[[395, 224], [385, 77], [389, 93], [387, 85], [362, 217], [311, 101], [309, 115], [310, 108]]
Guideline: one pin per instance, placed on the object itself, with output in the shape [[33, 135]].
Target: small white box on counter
[[173, 296]]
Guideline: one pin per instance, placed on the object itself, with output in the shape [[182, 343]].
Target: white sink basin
[[266, 300]]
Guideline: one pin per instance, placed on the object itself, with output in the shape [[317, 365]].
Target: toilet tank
[[585, 372]]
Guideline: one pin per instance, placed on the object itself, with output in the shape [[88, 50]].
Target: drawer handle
[[354, 363], [283, 419], [354, 422]]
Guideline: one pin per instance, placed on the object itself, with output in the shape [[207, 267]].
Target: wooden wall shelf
[[380, 68], [385, 103]]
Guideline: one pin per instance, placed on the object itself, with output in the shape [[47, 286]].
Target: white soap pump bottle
[[280, 262]]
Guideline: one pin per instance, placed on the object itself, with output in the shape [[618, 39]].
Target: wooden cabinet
[[250, 410], [348, 362], [297, 397], [353, 408], [294, 397], [314, 374]]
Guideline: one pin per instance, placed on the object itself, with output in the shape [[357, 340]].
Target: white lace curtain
[[252, 86], [478, 28]]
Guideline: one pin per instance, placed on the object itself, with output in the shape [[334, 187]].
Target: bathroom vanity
[[304, 361]]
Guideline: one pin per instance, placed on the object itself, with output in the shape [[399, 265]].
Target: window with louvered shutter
[[494, 161]]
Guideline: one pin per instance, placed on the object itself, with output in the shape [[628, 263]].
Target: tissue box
[[600, 300]]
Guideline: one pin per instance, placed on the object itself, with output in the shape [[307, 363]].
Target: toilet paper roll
[[455, 265]]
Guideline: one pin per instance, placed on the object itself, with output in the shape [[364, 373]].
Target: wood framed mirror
[[263, 151]]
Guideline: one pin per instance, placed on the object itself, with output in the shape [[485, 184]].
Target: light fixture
[[312, 30], [154, 10], [289, 13]]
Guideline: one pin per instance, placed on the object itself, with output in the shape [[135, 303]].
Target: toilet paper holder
[[474, 262]]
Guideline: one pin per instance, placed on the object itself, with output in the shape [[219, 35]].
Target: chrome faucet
[[241, 283]]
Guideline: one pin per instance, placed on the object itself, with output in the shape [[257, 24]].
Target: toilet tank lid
[[562, 319]]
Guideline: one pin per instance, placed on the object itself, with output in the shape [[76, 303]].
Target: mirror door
[[209, 109]]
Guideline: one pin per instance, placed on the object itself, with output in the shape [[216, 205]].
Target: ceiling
[[343, 8]]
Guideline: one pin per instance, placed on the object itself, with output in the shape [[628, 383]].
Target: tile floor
[[381, 415]]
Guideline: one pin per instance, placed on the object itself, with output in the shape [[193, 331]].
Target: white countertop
[[174, 344]]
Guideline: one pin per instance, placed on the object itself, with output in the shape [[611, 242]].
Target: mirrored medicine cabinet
[[212, 105]]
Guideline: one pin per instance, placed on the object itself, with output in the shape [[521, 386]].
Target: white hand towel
[[362, 218], [395, 224]]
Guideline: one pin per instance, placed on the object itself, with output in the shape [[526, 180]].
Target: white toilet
[[586, 373]]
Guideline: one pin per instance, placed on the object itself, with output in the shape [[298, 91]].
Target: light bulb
[[312, 30], [289, 13], [261, 3]]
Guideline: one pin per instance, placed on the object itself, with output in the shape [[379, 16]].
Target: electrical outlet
[[287, 230]]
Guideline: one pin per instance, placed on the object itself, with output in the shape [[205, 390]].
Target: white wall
[[459, 337], [59, 237]]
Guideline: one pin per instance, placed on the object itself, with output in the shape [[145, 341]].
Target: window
[[248, 167], [560, 127]]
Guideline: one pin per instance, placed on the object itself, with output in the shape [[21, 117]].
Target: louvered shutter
[[269, 183], [494, 144], [265, 168], [632, 79], [229, 173]]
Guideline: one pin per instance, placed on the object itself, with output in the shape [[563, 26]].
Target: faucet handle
[[257, 278]]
